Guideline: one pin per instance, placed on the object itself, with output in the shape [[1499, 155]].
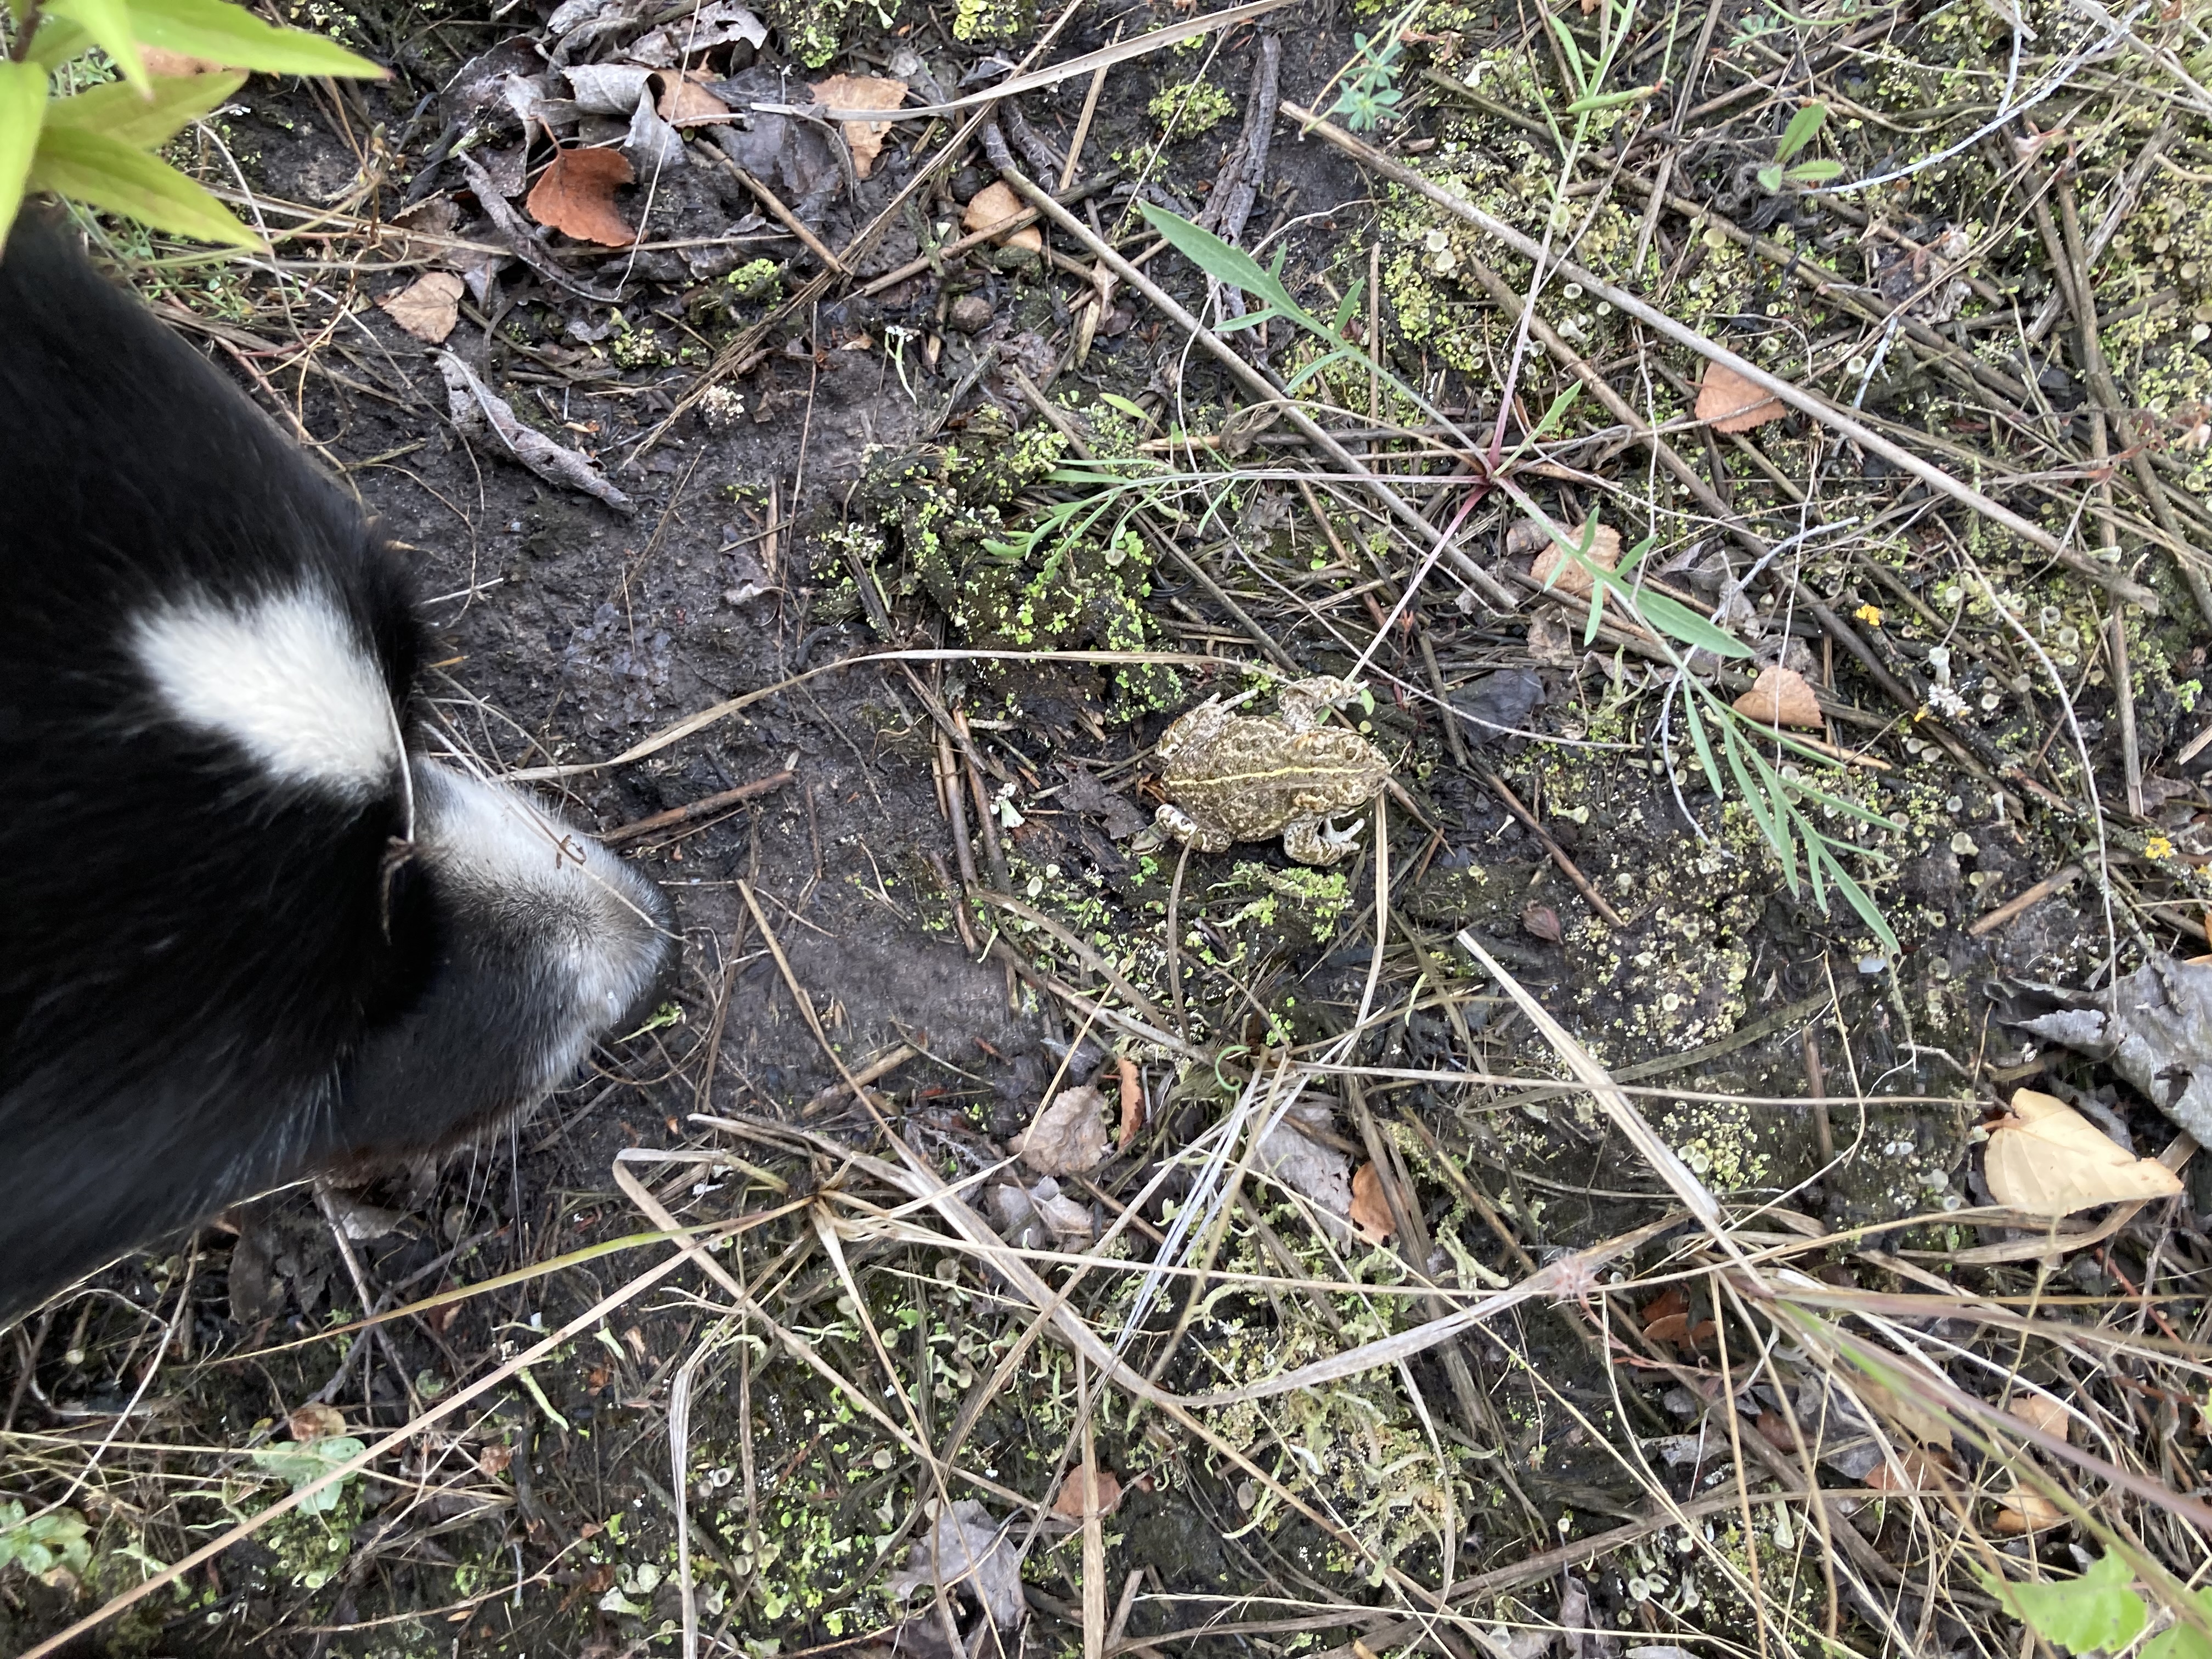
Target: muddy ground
[[774, 529]]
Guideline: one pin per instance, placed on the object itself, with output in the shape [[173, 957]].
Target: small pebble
[[970, 314]]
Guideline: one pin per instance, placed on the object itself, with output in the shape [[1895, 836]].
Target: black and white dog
[[246, 934]]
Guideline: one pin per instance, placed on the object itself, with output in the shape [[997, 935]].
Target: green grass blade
[[1703, 744], [1858, 897], [1678, 622]]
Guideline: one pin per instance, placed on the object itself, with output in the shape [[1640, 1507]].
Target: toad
[[1235, 777]]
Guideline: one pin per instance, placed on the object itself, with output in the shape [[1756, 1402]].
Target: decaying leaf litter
[[1751, 460]]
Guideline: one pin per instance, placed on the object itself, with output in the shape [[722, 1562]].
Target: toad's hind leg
[[1317, 841]]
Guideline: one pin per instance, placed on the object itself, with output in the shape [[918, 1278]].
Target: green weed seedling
[[2100, 1611], [41, 1544], [303, 1463], [97, 145], [1804, 127]]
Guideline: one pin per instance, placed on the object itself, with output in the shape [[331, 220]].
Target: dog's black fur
[[217, 975]]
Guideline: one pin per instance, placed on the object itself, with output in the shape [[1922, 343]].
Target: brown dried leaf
[[575, 196], [1733, 404], [1774, 1429], [1069, 1504], [1669, 1304], [1542, 921], [683, 102], [316, 1422], [2025, 1510], [2047, 1159], [1922, 1471], [1133, 1103], [427, 309], [1068, 1136], [1371, 1210], [992, 206], [1604, 552], [493, 1458], [864, 92], [2041, 1412], [1669, 1328], [1780, 696]]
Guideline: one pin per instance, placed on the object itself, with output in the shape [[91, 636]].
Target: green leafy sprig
[[96, 146]]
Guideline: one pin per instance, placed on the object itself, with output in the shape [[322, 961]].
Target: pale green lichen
[[1188, 108]]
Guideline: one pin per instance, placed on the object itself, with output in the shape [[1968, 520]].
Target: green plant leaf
[[1348, 307], [1703, 744], [114, 26], [1116, 400], [1769, 179], [2184, 1641], [1627, 567], [92, 168], [1785, 826], [1609, 100], [1679, 622], [1572, 55], [22, 109], [1556, 412], [233, 36], [116, 111], [1804, 127], [1868, 912], [1815, 173], [302, 1463], [2097, 1610], [57, 41], [1218, 259]]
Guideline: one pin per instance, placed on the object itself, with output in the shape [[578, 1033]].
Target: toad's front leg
[[1200, 837]]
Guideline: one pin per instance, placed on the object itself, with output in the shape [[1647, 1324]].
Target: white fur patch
[[591, 916], [286, 679]]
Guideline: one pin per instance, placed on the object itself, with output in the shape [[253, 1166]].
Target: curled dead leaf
[[1133, 1103], [1780, 696], [1733, 404], [2026, 1510], [992, 206], [1541, 921], [494, 1459], [1915, 1470], [1370, 1208], [864, 92], [315, 1421], [1068, 1136], [575, 196], [2047, 1159], [1069, 1504], [2040, 1411], [1563, 574], [683, 102], [427, 309]]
